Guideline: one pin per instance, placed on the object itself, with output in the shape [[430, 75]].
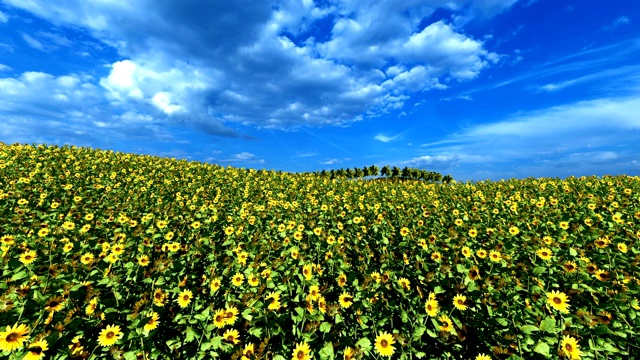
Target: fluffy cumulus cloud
[[274, 64]]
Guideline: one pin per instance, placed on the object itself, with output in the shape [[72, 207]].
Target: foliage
[[334, 264]]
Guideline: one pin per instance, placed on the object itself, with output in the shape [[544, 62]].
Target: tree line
[[387, 172]]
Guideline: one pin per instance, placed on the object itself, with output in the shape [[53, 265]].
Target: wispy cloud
[[385, 139]]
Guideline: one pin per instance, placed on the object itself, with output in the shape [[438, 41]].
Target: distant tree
[[405, 173], [373, 170], [386, 171], [395, 172], [348, 173], [447, 179], [365, 171]]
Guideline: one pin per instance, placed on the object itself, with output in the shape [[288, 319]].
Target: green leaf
[[279, 357], [438, 290], [191, 334], [256, 331], [418, 332], [130, 355], [325, 327], [528, 329], [327, 352], [502, 321], [364, 344], [548, 325], [542, 348], [461, 268], [573, 252], [539, 270], [205, 346], [472, 286]]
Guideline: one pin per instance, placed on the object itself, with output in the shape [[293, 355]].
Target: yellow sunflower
[[447, 324], [237, 279], [544, 253], [404, 283], [346, 300], [220, 318], [482, 253], [152, 324], [514, 230], [232, 336], [384, 344], [36, 350], [474, 273], [569, 266], [231, 315], [558, 300], [215, 285], [109, 335], [249, 350], [342, 280], [274, 301], [466, 251], [349, 353], [570, 347], [185, 298], [13, 337], [314, 292], [495, 256], [431, 307], [143, 260], [159, 297], [458, 302], [54, 304], [28, 257], [301, 352], [483, 357], [435, 256], [602, 275]]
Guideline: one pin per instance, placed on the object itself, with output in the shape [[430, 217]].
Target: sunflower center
[[53, 304], [384, 343], [219, 318], [110, 335], [11, 337], [300, 354], [557, 300], [28, 257], [185, 297], [36, 350], [568, 347]]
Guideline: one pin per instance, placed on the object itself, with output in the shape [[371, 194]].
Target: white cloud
[[564, 139], [329, 161], [270, 66], [4, 67], [32, 42], [3, 17], [384, 138], [622, 20]]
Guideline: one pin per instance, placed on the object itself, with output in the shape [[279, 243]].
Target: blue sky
[[491, 89]]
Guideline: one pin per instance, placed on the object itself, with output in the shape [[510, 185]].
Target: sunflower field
[[113, 255]]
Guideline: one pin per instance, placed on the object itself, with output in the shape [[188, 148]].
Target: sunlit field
[[112, 255]]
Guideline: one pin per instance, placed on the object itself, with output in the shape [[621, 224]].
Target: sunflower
[[384, 344], [431, 307], [514, 230], [185, 298], [494, 256], [570, 347], [474, 273], [349, 353], [482, 253], [314, 292], [558, 300], [215, 285], [13, 337], [253, 280], [91, 308], [404, 283], [109, 335], [159, 297], [466, 251], [36, 350], [152, 324], [564, 225], [306, 271], [342, 280], [54, 304], [301, 352], [219, 318], [483, 357], [458, 302], [237, 279], [294, 254], [447, 325], [274, 304], [569, 266], [622, 247], [591, 268], [248, 350], [435, 256], [28, 257], [601, 243], [68, 247], [231, 315], [322, 304], [118, 249], [602, 275], [346, 300], [544, 253], [232, 335], [143, 260]]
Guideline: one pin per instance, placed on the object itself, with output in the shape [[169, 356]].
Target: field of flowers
[[112, 255]]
